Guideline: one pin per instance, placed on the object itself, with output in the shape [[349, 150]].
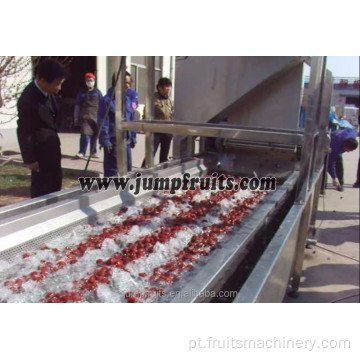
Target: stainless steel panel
[[149, 110], [269, 279], [230, 132], [32, 204], [121, 139], [207, 86], [283, 257], [222, 262]]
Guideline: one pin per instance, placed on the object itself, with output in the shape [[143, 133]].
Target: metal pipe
[[121, 140], [222, 126], [314, 102], [261, 135], [149, 110]]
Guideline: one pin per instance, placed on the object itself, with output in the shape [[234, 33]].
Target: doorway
[[77, 68]]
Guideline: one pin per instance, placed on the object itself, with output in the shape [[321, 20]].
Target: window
[[138, 74]]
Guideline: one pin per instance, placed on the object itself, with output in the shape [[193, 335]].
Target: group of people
[[40, 144], [96, 115], [37, 132]]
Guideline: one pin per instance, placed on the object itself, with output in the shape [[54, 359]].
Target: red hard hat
[[90, 75]]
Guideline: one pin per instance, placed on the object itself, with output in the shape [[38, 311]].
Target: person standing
[[37, 133], [341, 141], [164, 110], [132, 104], [86, 112], [107, 125]]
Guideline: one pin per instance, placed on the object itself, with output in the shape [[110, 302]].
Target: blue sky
[[343, 66]]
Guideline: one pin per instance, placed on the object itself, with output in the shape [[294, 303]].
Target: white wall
[[101, 70]]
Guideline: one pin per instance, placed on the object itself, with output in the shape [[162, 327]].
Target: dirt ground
[[15, 183]]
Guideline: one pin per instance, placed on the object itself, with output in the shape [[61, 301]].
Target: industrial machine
[[234, 115]]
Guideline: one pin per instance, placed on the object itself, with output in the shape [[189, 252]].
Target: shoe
[[356, 185], [95, 156], [80, 155], [341, 188]]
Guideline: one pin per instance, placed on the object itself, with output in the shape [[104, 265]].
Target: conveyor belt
[[27, 232]]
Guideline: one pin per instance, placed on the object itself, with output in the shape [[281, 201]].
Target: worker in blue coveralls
[[107, 135], [86, 112], [343, 140]]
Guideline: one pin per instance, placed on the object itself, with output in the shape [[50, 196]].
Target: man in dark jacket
[[37, 134]]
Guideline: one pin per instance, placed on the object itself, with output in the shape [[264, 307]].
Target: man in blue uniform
[[107, 136], [343, 140], [86, 111], [37, 133]]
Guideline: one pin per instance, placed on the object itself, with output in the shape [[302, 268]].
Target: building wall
[[342, 97]]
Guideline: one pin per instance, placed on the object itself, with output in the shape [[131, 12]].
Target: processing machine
[[235, 116]]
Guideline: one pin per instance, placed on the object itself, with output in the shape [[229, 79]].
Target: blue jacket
[[338, 138], [107, 135], [132, 97]]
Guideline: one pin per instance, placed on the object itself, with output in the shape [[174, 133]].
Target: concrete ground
[[331, 269], [70, 146]]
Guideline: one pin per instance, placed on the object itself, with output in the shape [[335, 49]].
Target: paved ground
[[70, 146], [331, 269]]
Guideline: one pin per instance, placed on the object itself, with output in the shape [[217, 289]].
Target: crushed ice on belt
[[124, 280]]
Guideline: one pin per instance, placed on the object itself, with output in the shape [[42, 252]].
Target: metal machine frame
[[280, 263], [299, 224]]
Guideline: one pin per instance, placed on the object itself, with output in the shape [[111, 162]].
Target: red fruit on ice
[[61, 264]]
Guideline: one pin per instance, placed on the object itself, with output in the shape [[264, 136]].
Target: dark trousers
[[340, 169], [358, 173], [110, 161], [49, 178], [164, 140]]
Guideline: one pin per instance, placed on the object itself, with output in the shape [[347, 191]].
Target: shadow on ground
[[339, 236], [346, 274], [345, 296], [337, 215]]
